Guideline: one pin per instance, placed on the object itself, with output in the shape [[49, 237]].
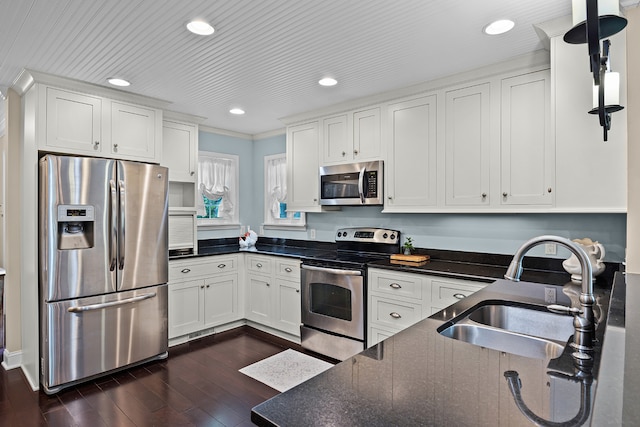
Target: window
[[275, 195], [217, 194]]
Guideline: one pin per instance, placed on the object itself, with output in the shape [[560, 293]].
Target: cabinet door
[[73, 122], [303, 168], [527, 148], [259, 299], [336, 145], [467, 146], [411, 169], [133, 132], [186, 307], [221, 300], [287, 306], [366, 135], [180, 150]]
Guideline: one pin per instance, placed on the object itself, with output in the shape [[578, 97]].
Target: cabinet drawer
[[288, 270], [446, 292], [399, 284], [202, 267], [395, 314], [258, 264]]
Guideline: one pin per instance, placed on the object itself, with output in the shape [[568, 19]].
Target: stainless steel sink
[[516, 329]]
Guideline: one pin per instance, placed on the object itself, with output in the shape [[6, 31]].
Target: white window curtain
[[276, 184], [216, 179]]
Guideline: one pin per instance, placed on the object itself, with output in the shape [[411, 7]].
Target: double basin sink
[[518, 328]]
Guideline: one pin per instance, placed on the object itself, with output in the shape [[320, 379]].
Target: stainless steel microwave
[[352, 184]]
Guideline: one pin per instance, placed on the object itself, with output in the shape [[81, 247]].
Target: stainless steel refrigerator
[[103, 259]]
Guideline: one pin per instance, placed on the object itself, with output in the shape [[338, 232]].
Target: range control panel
[[369, 235]]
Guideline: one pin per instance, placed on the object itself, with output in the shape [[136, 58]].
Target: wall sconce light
[[594, 21]]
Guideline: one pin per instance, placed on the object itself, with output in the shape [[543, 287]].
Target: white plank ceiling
[[265, 56]]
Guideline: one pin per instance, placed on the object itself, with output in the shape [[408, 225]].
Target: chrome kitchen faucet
[[583, 320]]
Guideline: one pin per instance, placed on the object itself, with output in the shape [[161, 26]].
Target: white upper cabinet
[[351, 137], [527, 148], [180, 150], [468, 146], [73, 121], [591, 174], [303, 168], [134, 132], [411, 175]]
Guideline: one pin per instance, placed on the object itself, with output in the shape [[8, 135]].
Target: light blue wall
[[492, 233]]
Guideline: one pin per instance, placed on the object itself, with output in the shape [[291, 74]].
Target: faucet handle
[[563, 309]]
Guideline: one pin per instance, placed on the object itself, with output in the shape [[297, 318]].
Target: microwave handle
[[361, 185]]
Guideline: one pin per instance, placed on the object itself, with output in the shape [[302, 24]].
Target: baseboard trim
[[11, 359]]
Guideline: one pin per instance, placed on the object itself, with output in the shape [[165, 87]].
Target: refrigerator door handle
[[122, 225], [90, 307], [113, 226]]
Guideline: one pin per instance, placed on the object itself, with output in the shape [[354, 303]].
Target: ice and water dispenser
[[75, 226]]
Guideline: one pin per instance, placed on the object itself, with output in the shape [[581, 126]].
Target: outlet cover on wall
[[312, 233], [550, 248]]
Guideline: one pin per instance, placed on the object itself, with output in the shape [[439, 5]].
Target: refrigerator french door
[[103, 267]]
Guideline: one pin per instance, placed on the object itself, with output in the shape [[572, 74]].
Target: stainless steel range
[[334, 291]]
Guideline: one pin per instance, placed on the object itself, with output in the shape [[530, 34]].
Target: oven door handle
[[333, 270], [361, 185]]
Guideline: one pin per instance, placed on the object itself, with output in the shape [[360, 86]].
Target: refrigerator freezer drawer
[[85, 337]]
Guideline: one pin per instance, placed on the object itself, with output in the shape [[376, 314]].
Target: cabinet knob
[[288, 270], [192, 173], [484, 195], [185, 270], [201, 286], [298, 290], [115, 147], [259, 265], [208, 286], [344, 153], [459, 296], [549, 190], [96, 145], [315, 200], [222, 265], [395, 315], [504, 194], [355, 152], [395, 286], [268, 284], [390, 198]]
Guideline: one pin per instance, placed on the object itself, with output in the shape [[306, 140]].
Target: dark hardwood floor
[[198, 385]]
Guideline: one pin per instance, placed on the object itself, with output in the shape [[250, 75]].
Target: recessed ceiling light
[[499, 27], [118, 82], [200, 27], [328, 81], [237, 111]]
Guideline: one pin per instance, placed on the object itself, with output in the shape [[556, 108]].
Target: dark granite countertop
[[419, 377]]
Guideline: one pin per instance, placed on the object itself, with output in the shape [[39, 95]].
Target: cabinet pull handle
[[355, 152], [185, 270], [201, 286], [395, 286], [395, 315], [288, 270], [222, 265], [459, 296], [504, 194], [259, 265]]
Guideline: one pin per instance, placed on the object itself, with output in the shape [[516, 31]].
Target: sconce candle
[[611, 90], [605, 7]]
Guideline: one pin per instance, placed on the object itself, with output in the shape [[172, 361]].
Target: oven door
[[333, 300]]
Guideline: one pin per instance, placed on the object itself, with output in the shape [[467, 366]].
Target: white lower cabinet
[[397, 299], [203, 293], [273, 292]]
